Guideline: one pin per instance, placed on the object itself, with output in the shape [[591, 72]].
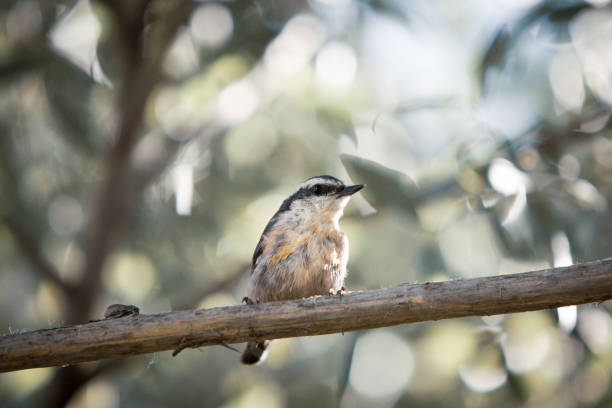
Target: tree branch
[[142, 63], [137, 334]]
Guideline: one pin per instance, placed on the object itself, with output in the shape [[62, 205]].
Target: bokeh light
[[595, 328], [336, 66], [294, 46], [131, 277], [237, 102], [182, 58], [211, 25], [382, 365], [566, 81], [65, 215], [482, 379]]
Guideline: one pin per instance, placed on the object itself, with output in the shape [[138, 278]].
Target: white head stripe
[[317, 180]]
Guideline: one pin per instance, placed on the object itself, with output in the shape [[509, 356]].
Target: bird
[[302, 251]]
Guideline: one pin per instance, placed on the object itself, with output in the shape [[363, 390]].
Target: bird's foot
[[340, 292], [247, 300]]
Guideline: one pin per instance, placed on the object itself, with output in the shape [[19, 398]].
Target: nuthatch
[[302, 251]]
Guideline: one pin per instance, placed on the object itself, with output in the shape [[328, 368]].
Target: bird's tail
[[255, 352]]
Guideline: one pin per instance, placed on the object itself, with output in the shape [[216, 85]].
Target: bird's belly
[[317, 279], [323, 268], [312, 267]]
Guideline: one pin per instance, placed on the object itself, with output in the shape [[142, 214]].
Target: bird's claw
[[247, 300], [340, 292]]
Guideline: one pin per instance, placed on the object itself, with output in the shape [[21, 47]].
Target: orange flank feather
[[282, 252]]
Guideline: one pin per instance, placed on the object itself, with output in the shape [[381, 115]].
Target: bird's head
[[323, 197]]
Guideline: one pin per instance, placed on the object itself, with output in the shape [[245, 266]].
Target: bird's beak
[[350, 190]]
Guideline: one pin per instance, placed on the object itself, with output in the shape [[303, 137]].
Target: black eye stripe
[[324, 189], [307, 192]]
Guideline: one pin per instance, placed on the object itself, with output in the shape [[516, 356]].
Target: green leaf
[[554, 18], [385, 187]]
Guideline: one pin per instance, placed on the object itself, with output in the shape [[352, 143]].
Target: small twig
[[224, 344], [183, 344], [198, 343]]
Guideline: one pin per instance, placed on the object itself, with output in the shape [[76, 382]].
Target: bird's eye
[[318, 189]]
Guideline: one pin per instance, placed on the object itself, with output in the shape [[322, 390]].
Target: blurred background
[[145, 144]]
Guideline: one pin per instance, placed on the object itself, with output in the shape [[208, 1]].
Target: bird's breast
[[300, 262], [324, 262]]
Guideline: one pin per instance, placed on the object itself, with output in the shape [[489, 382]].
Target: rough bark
[[407, 303]]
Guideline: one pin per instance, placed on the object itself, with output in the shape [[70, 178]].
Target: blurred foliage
[[482, 130]]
